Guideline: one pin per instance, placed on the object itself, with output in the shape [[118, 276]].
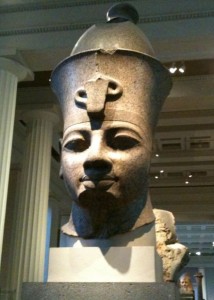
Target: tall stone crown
[[85, 91]]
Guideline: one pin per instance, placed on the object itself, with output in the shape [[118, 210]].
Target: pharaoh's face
[[106, 163], [112, 160]]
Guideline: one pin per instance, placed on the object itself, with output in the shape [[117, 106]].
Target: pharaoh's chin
[[98, 198], [107, 194], [99, 191]]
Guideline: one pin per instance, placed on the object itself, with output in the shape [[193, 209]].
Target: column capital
[[39, 114], [22, 72]]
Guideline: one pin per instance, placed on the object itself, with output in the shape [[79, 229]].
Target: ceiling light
[[161, 171], [190, 176], [198, 253], [182, 68], [186, 182], [173, 68], [157, 155], [213, 244], [156, 177]]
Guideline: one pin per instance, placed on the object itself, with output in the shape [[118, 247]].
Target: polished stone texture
[[111, 90], [106, 145], [97, 291]]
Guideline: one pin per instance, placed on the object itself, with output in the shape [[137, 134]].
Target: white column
[[10, 73], [34, 194]]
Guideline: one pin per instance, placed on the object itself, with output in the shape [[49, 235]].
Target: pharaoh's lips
[[98, 182]]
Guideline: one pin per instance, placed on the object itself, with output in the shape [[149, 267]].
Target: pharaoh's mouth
[[98, 182]]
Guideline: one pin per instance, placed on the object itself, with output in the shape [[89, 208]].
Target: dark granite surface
[[97, 291]]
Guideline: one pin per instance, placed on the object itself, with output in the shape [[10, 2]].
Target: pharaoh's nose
[[97, 162], [96, 168]]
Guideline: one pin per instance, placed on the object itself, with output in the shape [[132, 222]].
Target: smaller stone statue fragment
[[174, 255]]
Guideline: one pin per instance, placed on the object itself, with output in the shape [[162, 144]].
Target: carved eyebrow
[[130, 132], [76, 133], [125, 130]]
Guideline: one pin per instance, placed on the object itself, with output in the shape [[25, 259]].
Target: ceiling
[[43, 33]]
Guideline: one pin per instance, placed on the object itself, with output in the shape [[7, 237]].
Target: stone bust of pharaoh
[[111, 90]]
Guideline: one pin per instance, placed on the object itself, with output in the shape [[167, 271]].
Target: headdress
[[89, 83]]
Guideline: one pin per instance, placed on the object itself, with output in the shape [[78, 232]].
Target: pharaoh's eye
[[76, 145], [123, 142]]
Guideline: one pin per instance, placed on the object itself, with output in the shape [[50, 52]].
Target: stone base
[[97, 291]]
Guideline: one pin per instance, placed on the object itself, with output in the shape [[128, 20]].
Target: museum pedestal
[[97, 291], [106, 264], [129, 257], [117, 268]]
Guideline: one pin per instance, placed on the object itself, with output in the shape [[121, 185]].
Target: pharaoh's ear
[[60, 150]]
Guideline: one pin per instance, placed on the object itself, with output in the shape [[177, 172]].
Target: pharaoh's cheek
[[72, 172], [133, 175]]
